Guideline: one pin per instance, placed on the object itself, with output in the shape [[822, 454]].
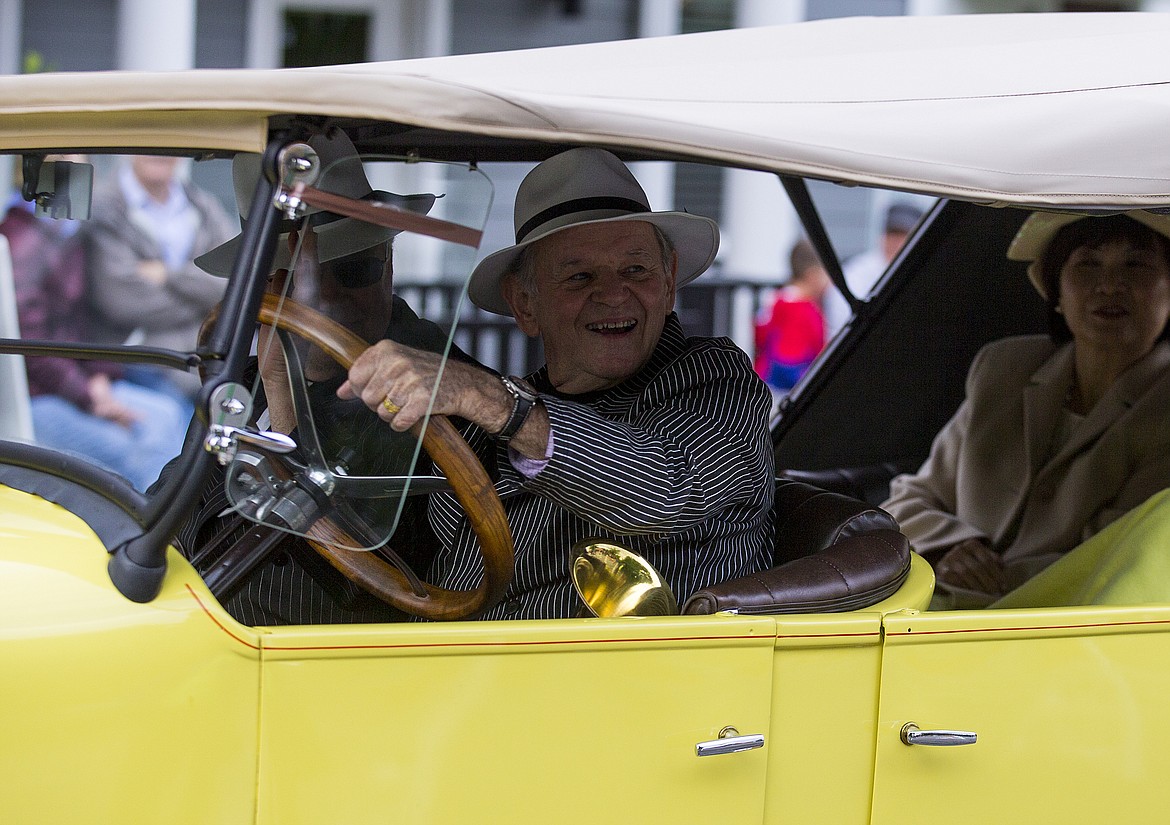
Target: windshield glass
[[97, 250], [349, 478]]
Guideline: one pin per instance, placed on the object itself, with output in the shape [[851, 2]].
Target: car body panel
[[394, 710], [1065, 702], [832, 666], [559, 719], [139, 693], [824, 712], [538, 706]]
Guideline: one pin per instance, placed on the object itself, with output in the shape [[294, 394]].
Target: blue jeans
[[159, 380], [137, 452]]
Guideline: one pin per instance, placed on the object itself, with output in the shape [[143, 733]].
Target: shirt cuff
[[530, 467]]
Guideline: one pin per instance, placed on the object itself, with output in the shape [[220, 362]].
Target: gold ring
[[390, 407]]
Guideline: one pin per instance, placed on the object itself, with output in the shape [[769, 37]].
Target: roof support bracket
[[806, 210]]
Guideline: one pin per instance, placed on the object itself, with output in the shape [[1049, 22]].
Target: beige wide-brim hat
[[587, 186], [1040, 228], [337, 236]]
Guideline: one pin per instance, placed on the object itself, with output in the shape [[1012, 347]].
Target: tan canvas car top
[[1039, 109]]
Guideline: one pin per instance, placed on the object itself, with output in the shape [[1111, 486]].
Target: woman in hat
[[1061, 434]]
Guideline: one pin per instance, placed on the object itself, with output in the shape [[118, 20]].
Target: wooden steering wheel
[[454, 458]]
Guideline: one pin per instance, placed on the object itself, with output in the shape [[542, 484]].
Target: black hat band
[[579, 205]]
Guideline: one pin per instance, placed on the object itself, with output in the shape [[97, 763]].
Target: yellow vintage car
[[132, 694]]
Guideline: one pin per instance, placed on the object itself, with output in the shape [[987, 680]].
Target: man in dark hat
[[346, 267], [631, 432]]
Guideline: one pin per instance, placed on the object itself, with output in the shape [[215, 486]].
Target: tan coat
[[992, 472]]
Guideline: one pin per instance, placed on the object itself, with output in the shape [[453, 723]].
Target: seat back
[[833, 553], [870, 483], [15, 413]]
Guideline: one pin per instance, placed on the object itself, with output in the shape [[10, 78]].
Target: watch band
[[523, 400]]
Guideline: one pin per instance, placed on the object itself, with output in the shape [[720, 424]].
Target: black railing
[[715, 306]]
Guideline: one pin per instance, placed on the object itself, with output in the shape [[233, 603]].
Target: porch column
[[759, 225], [12, 13], [436, 28], [926, 8], [11, 40], [658, 18], [156, 34]]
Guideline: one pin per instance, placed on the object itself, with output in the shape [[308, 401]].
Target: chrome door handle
[[729, 741], [912, 735]]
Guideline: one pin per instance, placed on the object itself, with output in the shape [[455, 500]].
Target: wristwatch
[[523, 400]]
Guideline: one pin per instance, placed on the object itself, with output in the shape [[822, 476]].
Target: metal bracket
[[229, 408], [299, 166]]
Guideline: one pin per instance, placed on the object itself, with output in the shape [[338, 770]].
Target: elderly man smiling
[[632, 431]]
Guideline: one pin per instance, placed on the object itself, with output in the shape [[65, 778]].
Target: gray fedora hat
[[337, 236], [585, 186]]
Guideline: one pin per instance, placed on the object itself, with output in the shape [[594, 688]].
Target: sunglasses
[[355, 273]]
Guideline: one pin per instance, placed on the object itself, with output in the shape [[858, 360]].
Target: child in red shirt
[[793, 333]]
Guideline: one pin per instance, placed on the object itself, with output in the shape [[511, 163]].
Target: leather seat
[[833, 553], [870, 483]]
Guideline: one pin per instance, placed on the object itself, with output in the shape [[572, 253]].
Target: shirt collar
[[137, 196]]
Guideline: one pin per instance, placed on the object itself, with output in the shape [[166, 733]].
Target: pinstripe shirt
[[675, 463]]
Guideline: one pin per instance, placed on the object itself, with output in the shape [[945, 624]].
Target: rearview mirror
[[63, 189]]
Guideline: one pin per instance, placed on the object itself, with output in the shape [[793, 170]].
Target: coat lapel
[[1125, 392], [1043, 398]]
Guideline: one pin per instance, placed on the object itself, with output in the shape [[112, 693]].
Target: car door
[[550, 721], [1068, 705]]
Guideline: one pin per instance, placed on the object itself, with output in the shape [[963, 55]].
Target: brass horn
[[614, 581]]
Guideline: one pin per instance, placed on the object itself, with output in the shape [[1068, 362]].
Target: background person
[[863, 271], [80, 406], [631, 431], [146, 229], [1059, 435], [793, 332]]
